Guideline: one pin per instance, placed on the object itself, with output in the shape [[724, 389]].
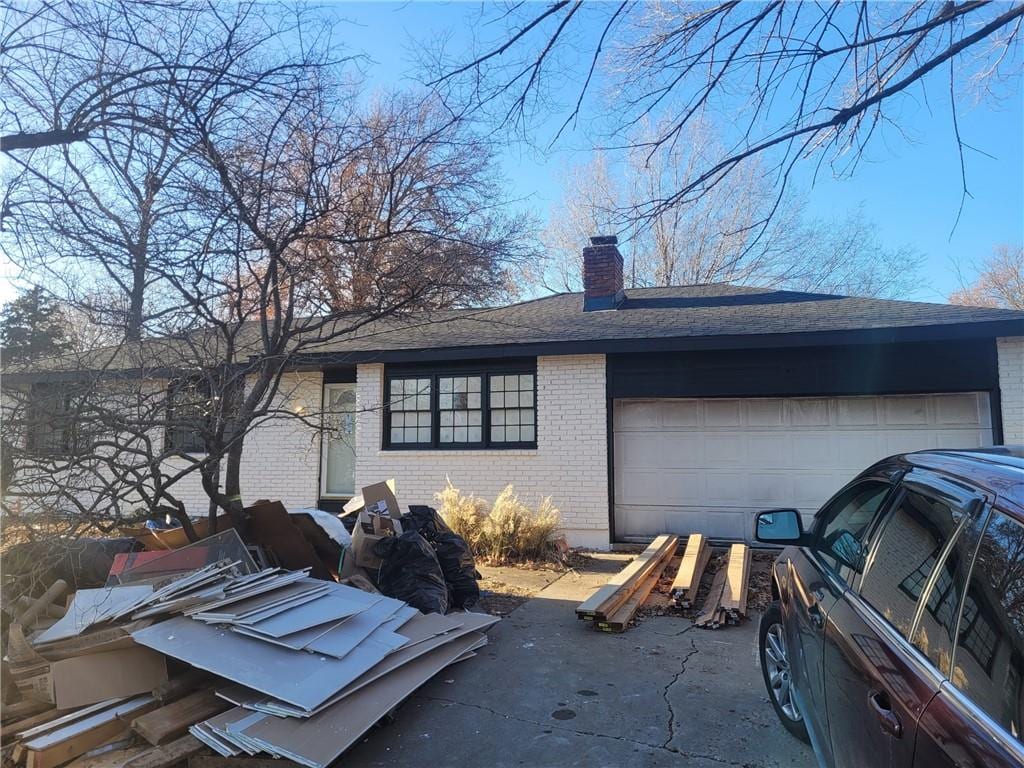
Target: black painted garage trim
[[828, 371]]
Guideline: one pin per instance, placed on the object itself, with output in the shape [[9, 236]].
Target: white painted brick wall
[[281, 459], [1011, 388], [569, 463]]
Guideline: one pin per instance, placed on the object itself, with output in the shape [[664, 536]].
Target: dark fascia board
[[950, 331], [319, 361]]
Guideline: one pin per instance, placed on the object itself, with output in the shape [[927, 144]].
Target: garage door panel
[[709, 465]]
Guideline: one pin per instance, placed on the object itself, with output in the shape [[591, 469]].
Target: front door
[[338, 445]]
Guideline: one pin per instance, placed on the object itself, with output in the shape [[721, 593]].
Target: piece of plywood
[[319, 740], [173, 720], [303, 679], [622, 585], [92, 606]]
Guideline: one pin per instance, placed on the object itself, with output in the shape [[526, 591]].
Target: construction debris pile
[[201, 650], [615, 605]]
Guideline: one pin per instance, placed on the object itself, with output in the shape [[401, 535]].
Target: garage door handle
[[887, 719]]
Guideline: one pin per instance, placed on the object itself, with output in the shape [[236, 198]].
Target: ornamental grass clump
[[506, 532]]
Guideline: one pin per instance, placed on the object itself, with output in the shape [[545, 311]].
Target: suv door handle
[[887, 719], [815, 614]]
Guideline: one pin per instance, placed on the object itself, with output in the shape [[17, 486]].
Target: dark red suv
[[897, 633]]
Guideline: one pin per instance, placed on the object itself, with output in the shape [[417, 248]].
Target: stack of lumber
[[277, 662], [691, 568], [727, 601], [613, 606]]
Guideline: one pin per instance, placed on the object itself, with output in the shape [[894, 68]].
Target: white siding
[[569, 463]]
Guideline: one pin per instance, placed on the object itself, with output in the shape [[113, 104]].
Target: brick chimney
[[602, 274]]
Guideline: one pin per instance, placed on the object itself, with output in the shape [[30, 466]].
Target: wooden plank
[[695, 546], [112, 758], [17, 726], [619, 620], [59, 746], [182, 685], [169, 722], [690, 596], [22, 709], [737, 575], [179, 750], [712, 604], [623, 584]]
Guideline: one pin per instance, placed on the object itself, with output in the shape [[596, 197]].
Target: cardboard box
[[84, 680], [380, 517]]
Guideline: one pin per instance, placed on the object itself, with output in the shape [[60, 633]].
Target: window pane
[[498, 400], [526, 381], [917, 529], [396, 435], [512, 434], [410, 412], [475, 434], [989, 662], [446, 433], [527, 434], [845, 523], [423, 435], [498, 434], [444, 384]]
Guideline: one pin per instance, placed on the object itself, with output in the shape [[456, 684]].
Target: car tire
[[771, 623]]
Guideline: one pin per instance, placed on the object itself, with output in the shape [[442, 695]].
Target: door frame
[[324, 438]]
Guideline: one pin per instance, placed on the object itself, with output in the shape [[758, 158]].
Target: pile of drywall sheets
[[301, 653]]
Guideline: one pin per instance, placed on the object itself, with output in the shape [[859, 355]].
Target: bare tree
[[814, 81], [999, 282], [268, 150], [716, 238]]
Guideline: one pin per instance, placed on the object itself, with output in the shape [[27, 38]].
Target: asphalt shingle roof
[[661, 313]]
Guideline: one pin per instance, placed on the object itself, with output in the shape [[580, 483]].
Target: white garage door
[[708, 465]]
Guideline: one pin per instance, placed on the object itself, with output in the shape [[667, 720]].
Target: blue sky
[[909, 187]]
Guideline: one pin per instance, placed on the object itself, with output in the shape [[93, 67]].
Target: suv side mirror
[[779, 526]]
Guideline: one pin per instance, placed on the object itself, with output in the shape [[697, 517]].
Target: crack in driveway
[[664, 694]]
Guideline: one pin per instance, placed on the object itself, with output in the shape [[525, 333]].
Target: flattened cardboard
[[96, 677]]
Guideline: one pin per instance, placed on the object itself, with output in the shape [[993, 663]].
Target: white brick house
[[640, 411]]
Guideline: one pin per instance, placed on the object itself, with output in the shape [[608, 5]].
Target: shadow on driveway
[[550, 691]]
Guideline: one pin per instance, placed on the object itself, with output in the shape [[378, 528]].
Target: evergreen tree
[[31, 326]]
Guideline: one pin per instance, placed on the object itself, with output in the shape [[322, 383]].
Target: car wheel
[[775, 659]]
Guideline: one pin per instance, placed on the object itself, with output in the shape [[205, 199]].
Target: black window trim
[[484, 371]]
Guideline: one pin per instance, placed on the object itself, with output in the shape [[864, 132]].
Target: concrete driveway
[[551, 691]]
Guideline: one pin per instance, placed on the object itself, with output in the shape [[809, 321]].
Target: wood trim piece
[[622, 585]]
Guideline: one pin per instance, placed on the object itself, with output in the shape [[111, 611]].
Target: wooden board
[[737, 576], [114, 758], [168, 722], [695, 560], [17, 726], [170, 754], [22, 709], [619, 620], [713, 602], [622, 585]]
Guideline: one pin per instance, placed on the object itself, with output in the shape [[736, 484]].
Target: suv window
[[845, 521], [989, 660], [919, 540]]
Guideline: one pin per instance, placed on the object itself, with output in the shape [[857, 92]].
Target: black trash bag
[[459, 569], [426, 521], [453, 553], [410, 572]]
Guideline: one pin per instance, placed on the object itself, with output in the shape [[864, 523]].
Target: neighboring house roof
[[681, 317], [717, 316]]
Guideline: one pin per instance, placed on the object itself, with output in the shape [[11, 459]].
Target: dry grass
[[503, 533]]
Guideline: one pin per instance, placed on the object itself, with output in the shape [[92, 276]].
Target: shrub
[[507, 532]]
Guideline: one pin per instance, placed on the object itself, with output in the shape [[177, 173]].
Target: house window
[[460, 414], [461, 409], [410, 410], [189, 408], [513, 415], [56, 420]]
